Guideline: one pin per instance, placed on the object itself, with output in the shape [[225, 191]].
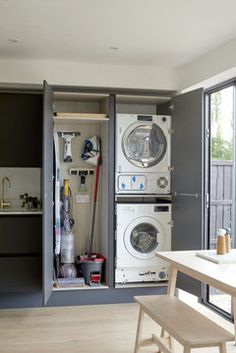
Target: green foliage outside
[[221, 149]]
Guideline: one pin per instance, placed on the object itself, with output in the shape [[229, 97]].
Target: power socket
[[80, 198]]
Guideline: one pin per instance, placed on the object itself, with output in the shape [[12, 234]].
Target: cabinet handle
[[196, 195]]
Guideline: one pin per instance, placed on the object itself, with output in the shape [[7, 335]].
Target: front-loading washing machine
[[141, 231], [143, 154]]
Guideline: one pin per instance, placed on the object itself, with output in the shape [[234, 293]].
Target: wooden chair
[[190, 328]]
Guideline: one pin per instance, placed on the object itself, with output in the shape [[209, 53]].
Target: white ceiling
[[147, 32]]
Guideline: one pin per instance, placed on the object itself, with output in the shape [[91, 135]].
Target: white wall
[[23, 180], [83, 74], [210, 69], [214, 67]]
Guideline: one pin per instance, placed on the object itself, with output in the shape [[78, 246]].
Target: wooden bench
[[190, 328]]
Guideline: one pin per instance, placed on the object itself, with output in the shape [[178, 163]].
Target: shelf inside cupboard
[[85, 287], [80, 118]]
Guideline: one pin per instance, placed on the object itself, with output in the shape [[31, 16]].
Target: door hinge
[[171, 107], [207, 133], [171, 169], [207, 200], [171, 223], [115, 209], [171, 131], [115, 234]]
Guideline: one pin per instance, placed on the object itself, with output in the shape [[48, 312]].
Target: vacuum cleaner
[[67, 269]]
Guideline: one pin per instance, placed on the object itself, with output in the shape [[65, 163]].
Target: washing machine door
[[144, 144], [144, 237]]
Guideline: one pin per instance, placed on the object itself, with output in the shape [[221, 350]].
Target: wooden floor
[[86, 329]]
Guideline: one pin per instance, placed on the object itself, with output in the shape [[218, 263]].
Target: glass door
[[144, 145], [220, 178]]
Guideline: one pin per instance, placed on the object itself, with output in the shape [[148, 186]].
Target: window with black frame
[[221, 177]]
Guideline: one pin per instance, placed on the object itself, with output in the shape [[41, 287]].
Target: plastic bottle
[[221, 248]]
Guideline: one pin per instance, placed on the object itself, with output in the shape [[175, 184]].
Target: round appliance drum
[[144, 145], [144, 237]]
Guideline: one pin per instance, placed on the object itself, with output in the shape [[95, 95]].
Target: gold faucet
[[3, 203]]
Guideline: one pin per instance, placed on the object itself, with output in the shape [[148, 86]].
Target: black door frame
[[232, 82]]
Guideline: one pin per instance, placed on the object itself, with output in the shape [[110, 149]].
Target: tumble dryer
[[141, 231], [143, 157]]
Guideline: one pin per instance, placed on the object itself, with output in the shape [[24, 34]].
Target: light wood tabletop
[[220, 276]]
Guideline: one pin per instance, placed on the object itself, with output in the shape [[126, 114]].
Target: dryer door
[[144, 145], [144, 237]]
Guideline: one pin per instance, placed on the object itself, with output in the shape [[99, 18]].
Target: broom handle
[[94, 209], [96, 183]]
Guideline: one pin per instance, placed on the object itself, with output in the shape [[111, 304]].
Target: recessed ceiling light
[[13, 40], [113, 48]]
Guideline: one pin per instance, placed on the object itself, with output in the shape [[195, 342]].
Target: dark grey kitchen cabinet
[[20, 274], [20, 234], [25, 270], [20, 253], [21, 129]]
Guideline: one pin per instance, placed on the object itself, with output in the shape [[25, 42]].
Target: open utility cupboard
[[98, 108]]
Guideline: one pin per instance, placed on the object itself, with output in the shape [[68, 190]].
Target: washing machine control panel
[[148, 183], [129, 275]]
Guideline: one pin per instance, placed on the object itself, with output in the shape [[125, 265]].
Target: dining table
[[200, 266]]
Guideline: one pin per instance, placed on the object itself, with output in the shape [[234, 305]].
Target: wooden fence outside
[[221, 197]]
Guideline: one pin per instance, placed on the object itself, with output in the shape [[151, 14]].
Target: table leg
[[172, 280], [139, 330], [234, 315]]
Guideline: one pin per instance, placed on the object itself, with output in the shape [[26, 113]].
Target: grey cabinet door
[[47, 192], [187, 177]]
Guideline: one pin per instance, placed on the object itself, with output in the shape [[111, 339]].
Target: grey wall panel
[[100, 296], [76, 297], [21, 300]]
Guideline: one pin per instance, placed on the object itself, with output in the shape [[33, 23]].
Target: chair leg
[[170, 339], [222, 348], [139, 330]]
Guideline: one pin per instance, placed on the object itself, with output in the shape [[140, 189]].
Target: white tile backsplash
[[23, 180]]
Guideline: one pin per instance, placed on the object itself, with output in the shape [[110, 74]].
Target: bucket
[[91, 268]]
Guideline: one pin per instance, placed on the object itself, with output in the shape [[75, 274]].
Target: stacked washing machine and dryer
[[143, 168]]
